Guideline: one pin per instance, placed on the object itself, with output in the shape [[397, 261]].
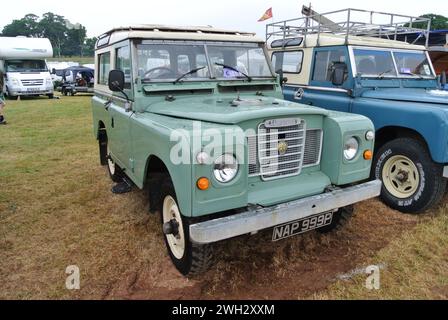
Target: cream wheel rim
[[110, 162], [175, 242], [401, 176]]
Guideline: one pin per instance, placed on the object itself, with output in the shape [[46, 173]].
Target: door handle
[[112, 122], [107, 104]]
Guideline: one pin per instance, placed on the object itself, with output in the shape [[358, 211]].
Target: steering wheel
[[167, 72]]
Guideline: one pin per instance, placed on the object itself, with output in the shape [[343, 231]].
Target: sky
[[99, 16]]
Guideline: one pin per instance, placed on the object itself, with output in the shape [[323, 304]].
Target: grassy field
[[56, 210], [80, 60]]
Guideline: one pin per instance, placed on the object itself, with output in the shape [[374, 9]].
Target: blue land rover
[[360, 67]]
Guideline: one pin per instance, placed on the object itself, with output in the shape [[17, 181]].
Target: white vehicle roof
[[25, 48], [176, 33], [326, 40]]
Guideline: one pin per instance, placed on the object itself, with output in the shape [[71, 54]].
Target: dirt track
[[255, 268]]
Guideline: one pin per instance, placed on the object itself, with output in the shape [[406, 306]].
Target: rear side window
[[324, 61], [287, 61], [104, 68]]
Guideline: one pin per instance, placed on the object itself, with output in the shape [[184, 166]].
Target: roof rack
[[349, 22], [169, 28]]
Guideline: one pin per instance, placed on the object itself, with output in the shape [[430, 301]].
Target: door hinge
[[132, 164]]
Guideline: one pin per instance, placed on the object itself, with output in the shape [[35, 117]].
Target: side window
[[324, 62], [104, 68], [123, 63], [288, 61]]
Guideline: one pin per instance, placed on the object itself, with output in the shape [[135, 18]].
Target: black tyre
[[10, 97], [50, 96], [340, 219], [115, 172], [412, 182], [190, 259]]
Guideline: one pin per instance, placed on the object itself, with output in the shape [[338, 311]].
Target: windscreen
[[392, 63], [26, 66], [413, 63], [200, 61]]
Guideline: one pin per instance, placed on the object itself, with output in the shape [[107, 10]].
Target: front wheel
[[412, 182], [115, 172], [10, 97], [340, 219], [190, 259]]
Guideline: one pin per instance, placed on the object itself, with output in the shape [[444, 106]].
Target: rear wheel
[[412, 182], [190, 259], [50, 96]]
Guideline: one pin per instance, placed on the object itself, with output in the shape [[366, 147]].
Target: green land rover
[[196, 116]]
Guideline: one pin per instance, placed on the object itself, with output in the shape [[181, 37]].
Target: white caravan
[[22, 61]]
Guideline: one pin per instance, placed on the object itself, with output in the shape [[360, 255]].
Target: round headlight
[[225, 168], [370, 135], [351, 148]]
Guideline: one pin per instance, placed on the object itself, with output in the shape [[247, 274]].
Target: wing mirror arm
[[116, 84]]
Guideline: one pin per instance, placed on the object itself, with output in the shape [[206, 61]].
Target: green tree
[[28, 26], [438, 22], [53, 27], [89, 46], [66, 38], [74, 42]]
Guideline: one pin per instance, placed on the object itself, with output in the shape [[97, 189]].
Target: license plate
[[32, 90], [301, 226]]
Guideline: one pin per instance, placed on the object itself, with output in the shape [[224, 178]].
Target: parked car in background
[[57, 70], [77, 80], [342, 61], [204, 127], [22, 60]]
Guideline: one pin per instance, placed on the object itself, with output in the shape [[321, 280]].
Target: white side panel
[[25, 48]]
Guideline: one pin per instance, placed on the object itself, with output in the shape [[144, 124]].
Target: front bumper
[[255, 220], [18, 91]]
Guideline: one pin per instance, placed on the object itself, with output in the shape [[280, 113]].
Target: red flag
[[267, 15]]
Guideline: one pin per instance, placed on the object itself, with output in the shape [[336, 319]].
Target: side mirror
[[338, 73], [53, 71], [116, 80]]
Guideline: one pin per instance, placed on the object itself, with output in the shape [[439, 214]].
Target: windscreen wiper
[[412, 74], [382, 74], [188, 73], [234, 69]]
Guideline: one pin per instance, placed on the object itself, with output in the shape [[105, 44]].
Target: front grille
[[278, 152], [32, 82], [313, 147]]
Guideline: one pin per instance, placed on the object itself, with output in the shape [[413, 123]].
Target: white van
[[22, 61]]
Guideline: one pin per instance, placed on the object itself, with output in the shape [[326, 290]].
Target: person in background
[[2, 100]]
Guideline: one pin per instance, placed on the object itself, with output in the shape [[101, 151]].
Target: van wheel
[[50, 96], [190, 259], [115, 172], [340, 219], [412, 182], [10, 97]]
